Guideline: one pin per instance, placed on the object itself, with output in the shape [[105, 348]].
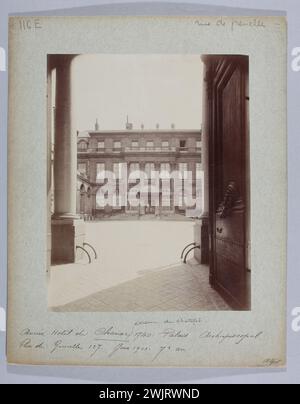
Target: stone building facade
[[144, 150]]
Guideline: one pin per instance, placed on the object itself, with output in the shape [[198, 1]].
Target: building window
[[82, 146], [198, 167], [100, 172], [150, 144], [198, 144], [165, 144], [101, 146], [117, 145], [182, 144], [82, 168], [183, 168], [165, 167], [135, 144], [149, 168], [117, 167], [134, 167], [165, 170]]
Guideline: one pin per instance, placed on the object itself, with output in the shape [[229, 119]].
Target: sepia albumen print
[[148, 183]]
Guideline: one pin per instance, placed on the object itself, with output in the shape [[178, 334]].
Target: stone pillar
[[202, 226], [94, 202], [78, 199], [67, 229]]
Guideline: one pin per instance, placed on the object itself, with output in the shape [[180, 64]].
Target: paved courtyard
[[138, 269]]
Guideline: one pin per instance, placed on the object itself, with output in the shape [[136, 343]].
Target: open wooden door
[[228, 178]]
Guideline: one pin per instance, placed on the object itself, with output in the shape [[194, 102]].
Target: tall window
[[165, 167], [100, 172], [165, 144], [134, 167], [165, 170], [149, 167], [182, 144], [117, 145], [135, 144], [101, 146], [117, 167], [182, 168], [82, 168], [198, 144]]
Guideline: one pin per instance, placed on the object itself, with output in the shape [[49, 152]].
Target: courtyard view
[[138, 269]]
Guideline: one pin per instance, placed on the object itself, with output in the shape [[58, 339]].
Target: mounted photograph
[[147, 192], [148, 183]]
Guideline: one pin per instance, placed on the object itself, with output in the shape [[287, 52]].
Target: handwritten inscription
[[171, 333], [233, 24], [153, 339], [29, 24], [61, 345], [29, 344], [221, 337], [29, 333], [271, 362]]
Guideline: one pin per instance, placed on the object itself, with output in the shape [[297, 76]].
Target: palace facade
[[99, 151]]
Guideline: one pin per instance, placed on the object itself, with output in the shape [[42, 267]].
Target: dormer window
[[82, 146]]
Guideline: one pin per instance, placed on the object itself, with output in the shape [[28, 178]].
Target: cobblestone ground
[[179, 288], [143, 274]]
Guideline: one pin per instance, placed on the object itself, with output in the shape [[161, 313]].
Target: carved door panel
[[228, 185]]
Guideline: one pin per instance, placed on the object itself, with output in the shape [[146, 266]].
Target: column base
[[67, 234]]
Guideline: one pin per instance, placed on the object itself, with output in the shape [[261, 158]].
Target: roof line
[[93, 132]]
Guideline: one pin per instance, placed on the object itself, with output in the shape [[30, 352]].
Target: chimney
[[129, 125], [97, 125]]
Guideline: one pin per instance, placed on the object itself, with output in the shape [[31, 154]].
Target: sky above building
[[151, 89]]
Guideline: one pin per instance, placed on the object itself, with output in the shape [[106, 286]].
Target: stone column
[[94, 202], [78, 199], [202, 226], [67, 229]]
